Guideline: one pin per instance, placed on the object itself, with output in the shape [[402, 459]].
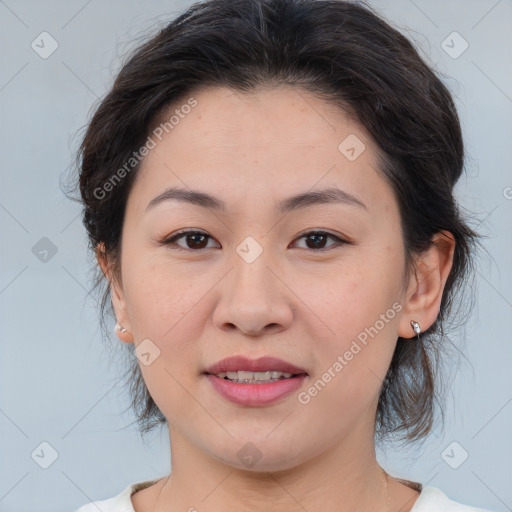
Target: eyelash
[[184, 232]]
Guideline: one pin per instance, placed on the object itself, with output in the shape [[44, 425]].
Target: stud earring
[[416, 328], [120, 328]]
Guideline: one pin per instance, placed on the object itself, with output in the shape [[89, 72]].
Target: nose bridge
[[253, 298], [253, 282]]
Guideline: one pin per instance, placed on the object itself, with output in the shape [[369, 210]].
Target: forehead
[[230, 118], [273, 142]]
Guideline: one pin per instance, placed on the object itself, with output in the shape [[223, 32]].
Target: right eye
[[194, 240]]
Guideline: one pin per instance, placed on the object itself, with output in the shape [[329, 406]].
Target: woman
[[268, 188]]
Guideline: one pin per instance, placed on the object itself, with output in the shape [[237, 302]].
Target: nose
[[254, 299]]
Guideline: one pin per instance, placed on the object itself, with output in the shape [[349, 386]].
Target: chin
[[256, 456]]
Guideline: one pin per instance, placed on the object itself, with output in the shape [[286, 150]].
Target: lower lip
[[255, 394]]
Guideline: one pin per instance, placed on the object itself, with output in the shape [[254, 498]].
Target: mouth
[[246, 377], [255, 382]]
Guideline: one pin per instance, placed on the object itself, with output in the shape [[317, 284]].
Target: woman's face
[[263, 281]]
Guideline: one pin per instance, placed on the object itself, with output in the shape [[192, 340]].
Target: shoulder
[[119, 503], [432, 499]]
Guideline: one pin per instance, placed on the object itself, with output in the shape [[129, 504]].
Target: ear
[[426, 285], [116, 293]]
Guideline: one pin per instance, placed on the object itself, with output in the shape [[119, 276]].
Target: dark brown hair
[[344, 53]]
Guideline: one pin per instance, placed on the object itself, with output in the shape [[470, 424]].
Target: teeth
[[254, 376]]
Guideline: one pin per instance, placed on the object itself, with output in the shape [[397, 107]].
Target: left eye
[[317, 240], [198, 240]]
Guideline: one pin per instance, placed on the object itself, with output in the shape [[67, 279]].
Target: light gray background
[[56, 383]]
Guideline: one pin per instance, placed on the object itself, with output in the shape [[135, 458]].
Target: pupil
[[316, 237], [202, 238]]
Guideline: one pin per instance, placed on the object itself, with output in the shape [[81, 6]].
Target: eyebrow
[[297, 202]]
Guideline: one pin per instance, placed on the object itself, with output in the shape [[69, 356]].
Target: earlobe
[[123, 334], [416, 327], [122, 327], [426, 286]]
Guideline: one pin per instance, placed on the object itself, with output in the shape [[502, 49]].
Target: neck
[[344, 478]]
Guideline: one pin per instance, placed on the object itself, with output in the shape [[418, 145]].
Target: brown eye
[[194, 240], [317, 240], [198, 240]]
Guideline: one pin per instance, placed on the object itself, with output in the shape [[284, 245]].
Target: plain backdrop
[[57, 386]]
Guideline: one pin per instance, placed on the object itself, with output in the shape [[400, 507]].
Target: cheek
[[360, 310], [161, 297], [351, 369], [349, 298]]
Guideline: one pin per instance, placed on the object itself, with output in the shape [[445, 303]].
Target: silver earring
[[119, 328], [416, 328]]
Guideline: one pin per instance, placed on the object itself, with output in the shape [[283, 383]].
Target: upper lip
[[262, 364]]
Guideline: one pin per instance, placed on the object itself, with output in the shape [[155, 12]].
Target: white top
[[430, 499]]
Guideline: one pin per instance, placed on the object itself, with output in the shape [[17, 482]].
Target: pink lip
[[262, 364], [255, 394]]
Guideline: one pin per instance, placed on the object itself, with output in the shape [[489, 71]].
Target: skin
[[294, 302]]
